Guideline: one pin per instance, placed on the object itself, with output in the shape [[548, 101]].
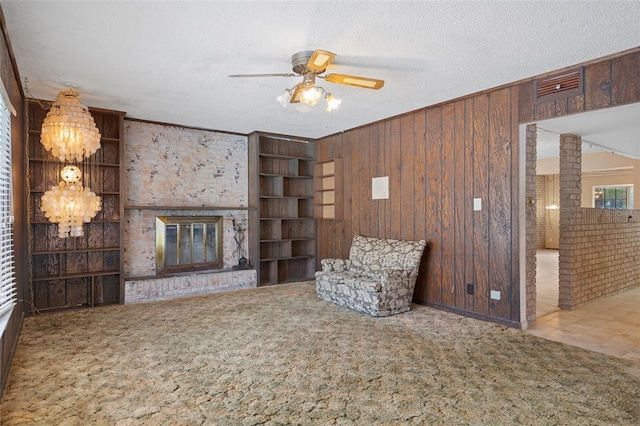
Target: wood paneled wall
[[438, 160], [11, 81], [608, 83]]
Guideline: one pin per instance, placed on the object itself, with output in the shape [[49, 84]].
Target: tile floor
[[610, 326]]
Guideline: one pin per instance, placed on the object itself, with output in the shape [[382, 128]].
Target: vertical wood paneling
[[447, 201], [562, 107], [347, 233], [394, 179], [575, 104], [460, 165], [433, 197], [359, 164], [356, 171], [481, 190], [379, 167], [364, 182], [438, 160], [367, 208], [500, 201], [419, 220], [408, 185], [468, 203], [526, 105], [515, 211], [388, 169], [420, 173], [597, 84], [545, 110], [625, 79]]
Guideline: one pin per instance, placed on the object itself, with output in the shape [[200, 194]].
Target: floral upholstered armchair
[[378, 278]]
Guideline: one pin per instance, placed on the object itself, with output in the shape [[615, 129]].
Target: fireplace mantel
[[187, 208]]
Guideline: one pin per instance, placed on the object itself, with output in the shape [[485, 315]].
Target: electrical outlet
[[470, 289]]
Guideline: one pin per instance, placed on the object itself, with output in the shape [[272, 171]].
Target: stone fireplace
[[190, 182]]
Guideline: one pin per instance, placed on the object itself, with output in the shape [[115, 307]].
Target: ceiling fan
[[310, 65]]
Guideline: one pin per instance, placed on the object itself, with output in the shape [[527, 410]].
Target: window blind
[[7, 274]]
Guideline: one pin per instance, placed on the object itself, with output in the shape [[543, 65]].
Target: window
[[613, 197], [7, 274]]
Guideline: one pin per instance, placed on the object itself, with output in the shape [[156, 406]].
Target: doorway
[[609, 134], [547, 222]]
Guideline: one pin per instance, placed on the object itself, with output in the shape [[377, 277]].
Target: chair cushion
[[353, 279]]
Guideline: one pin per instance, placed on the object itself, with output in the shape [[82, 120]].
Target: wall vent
[[559, 86]]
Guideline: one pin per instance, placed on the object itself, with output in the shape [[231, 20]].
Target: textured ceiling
[[615, 130], [170, 61]]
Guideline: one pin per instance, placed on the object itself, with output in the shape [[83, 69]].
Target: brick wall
[[541, 212], [570, 198], [175, 167], [606, 254], [599, 249], [530, 229]]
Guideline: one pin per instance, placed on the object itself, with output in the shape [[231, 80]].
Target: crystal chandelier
[[69, 204], [68, 130]]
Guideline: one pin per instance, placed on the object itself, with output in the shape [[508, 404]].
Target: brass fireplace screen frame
[[202, 237]]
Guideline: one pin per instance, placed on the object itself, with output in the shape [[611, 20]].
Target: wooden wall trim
[[11, 81], [12, 56], [162, 123]]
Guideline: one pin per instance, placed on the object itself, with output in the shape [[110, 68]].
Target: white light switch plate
[[477, 204]]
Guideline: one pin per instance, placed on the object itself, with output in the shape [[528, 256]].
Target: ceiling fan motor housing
[[299, 63]]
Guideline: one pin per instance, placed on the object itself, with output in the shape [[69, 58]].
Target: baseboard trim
[[471, 314]]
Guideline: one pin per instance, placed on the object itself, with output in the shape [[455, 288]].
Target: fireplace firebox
[[188, 243]]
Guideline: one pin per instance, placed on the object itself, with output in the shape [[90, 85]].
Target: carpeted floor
[[278, 355]]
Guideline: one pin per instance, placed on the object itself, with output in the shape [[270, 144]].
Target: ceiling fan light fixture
[[284, 97], [332, 102], [310, 65], [311, 96], [319, 60], [352, 80]]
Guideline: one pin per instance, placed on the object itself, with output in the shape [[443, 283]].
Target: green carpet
[[280, 356]]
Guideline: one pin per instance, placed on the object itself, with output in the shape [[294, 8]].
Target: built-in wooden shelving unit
[[77, 271], [328, 189], [281, 189]]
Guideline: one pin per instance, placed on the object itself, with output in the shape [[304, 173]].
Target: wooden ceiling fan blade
[[319, 60], [286, 74], [352, 80]]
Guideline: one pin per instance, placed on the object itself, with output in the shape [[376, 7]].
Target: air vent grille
[[559, 86]]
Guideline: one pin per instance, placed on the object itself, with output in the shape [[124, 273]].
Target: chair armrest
[[329, 265]]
